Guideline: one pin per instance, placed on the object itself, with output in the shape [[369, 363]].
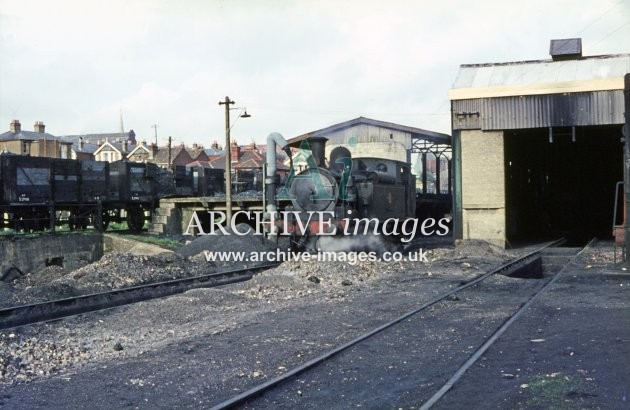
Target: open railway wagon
[[192, 181], [132, 194], [208, 181], [39, 193]]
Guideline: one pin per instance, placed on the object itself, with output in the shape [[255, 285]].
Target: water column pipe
[[274, 140]]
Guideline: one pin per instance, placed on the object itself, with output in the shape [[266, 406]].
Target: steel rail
[[506, 269], [494, 337], [56, 309]]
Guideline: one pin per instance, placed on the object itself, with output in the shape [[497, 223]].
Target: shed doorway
[[561, 182]]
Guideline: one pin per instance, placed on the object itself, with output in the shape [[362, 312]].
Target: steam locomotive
[[342, 195], [42, 193]]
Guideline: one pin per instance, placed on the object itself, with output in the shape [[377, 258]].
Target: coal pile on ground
[[112, 271], [294, 279], [234, 242], [120, 270], [41, 277], [471, 255]]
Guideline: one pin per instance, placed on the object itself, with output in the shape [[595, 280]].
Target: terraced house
[[36, 143]]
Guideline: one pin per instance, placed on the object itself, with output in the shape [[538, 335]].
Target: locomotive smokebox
[[318, 149]]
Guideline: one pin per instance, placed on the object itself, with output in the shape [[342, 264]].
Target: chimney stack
[[235, 152], [15, 126], [566, 49], [124, 146], [39, 127], [80, 143], [154, 151], [215, 145]]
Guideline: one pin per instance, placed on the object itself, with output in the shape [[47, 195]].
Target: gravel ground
[[120, 270], [571, 350], [57, 348], [227, 243], [198, 348]]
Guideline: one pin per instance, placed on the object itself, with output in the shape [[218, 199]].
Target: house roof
[[162, 155], [28, 136], [201, 164], [100, 138], [87, 148], [210, 152], [195, 152], [139, 147], [217, 161], [249, 158], [117, 146], [432, 136]]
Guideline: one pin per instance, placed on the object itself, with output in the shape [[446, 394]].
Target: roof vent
[[566, 49]]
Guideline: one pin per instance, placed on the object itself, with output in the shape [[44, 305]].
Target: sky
[[295, 66]]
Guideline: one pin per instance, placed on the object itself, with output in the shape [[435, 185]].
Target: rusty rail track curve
[[56, 309]]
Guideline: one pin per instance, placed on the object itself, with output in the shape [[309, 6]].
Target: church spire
[[122, 127]]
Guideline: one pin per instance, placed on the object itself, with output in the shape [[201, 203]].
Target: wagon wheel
[[74, 221], [78, 220], [135, 219], [16, 222], [31, 221], [41, 220], [102, 222]]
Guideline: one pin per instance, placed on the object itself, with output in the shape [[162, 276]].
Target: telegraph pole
[[228, 161], [155, 127], [169, 152]]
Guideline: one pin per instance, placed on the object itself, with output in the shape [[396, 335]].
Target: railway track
[[348, 356], [56, 309]]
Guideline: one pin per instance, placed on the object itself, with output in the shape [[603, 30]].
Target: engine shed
[[537, 146]]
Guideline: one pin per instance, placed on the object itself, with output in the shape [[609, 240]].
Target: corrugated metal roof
[[536, 111], [419, 133], [541, 71]]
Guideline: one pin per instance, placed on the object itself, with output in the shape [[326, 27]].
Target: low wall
[[30, 254], [115, 243]]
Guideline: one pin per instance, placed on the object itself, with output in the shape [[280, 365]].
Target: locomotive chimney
[[15, 126], [39, 127], [318, 148]]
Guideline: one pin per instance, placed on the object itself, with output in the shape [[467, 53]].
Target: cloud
[[297, 66]]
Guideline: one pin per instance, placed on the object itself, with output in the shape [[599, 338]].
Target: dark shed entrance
[[537, 148], [561, 181]]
